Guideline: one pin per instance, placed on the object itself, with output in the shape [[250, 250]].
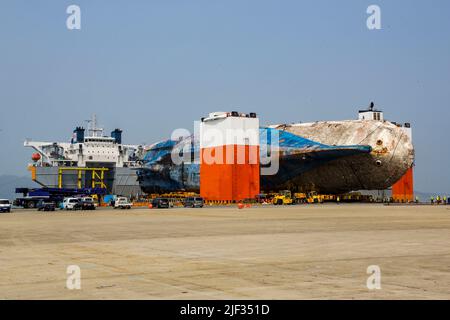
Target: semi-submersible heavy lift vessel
[[369, 153], [89, 160]]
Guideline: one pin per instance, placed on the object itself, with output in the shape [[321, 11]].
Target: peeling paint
[[327, 156]]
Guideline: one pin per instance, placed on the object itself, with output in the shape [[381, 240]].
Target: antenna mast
[[94, 131]]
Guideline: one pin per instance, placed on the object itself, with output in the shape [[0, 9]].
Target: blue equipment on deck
[[32, 196]]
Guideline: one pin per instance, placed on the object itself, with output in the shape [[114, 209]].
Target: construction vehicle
[[314, 197], [300, 197], [328, 198], [283, 197], [356, 197]]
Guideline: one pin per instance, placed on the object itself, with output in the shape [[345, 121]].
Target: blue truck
[[31, 197]]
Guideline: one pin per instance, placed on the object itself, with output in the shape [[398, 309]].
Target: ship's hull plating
[[329, 157], [120, 181], [391, 156]]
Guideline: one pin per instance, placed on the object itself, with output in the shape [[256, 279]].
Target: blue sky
[[151, 66]]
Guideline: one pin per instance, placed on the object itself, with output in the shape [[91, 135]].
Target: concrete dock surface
[[270, 252]]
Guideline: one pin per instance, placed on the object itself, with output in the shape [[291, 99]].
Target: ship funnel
[[117, 135], [78, 135]]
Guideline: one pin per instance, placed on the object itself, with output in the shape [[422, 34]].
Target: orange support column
[[403, 189], [229, 157]]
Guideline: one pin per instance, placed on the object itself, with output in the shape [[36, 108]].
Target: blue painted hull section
[[297, 156]]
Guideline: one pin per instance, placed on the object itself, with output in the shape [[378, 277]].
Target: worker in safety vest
[[438, 199], [445, 200], [432, 199], [417, 199]]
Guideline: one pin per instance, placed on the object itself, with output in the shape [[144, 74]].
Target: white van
[[70, 203], [122, 203], [5, 205]]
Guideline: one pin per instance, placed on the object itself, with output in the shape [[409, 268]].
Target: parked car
[[122, 203], [43, 205], [5, 205], [86, 203], [160, 203], [193, 202], [70, 203]]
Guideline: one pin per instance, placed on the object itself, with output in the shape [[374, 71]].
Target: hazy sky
[[151, 66]]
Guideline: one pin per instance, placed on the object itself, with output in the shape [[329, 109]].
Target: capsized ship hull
[[391, 155], [327, 156]]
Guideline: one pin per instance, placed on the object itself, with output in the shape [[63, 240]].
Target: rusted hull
[[329, 157], [391, 156]]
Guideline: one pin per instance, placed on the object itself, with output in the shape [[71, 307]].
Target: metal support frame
[[97, 173]]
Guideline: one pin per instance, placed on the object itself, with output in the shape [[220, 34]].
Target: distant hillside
[[423, 196], [8, 184]]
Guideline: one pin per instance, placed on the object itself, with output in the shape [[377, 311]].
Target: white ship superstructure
[[73, 164]]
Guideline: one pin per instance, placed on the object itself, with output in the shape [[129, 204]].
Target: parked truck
[[31, 197]]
